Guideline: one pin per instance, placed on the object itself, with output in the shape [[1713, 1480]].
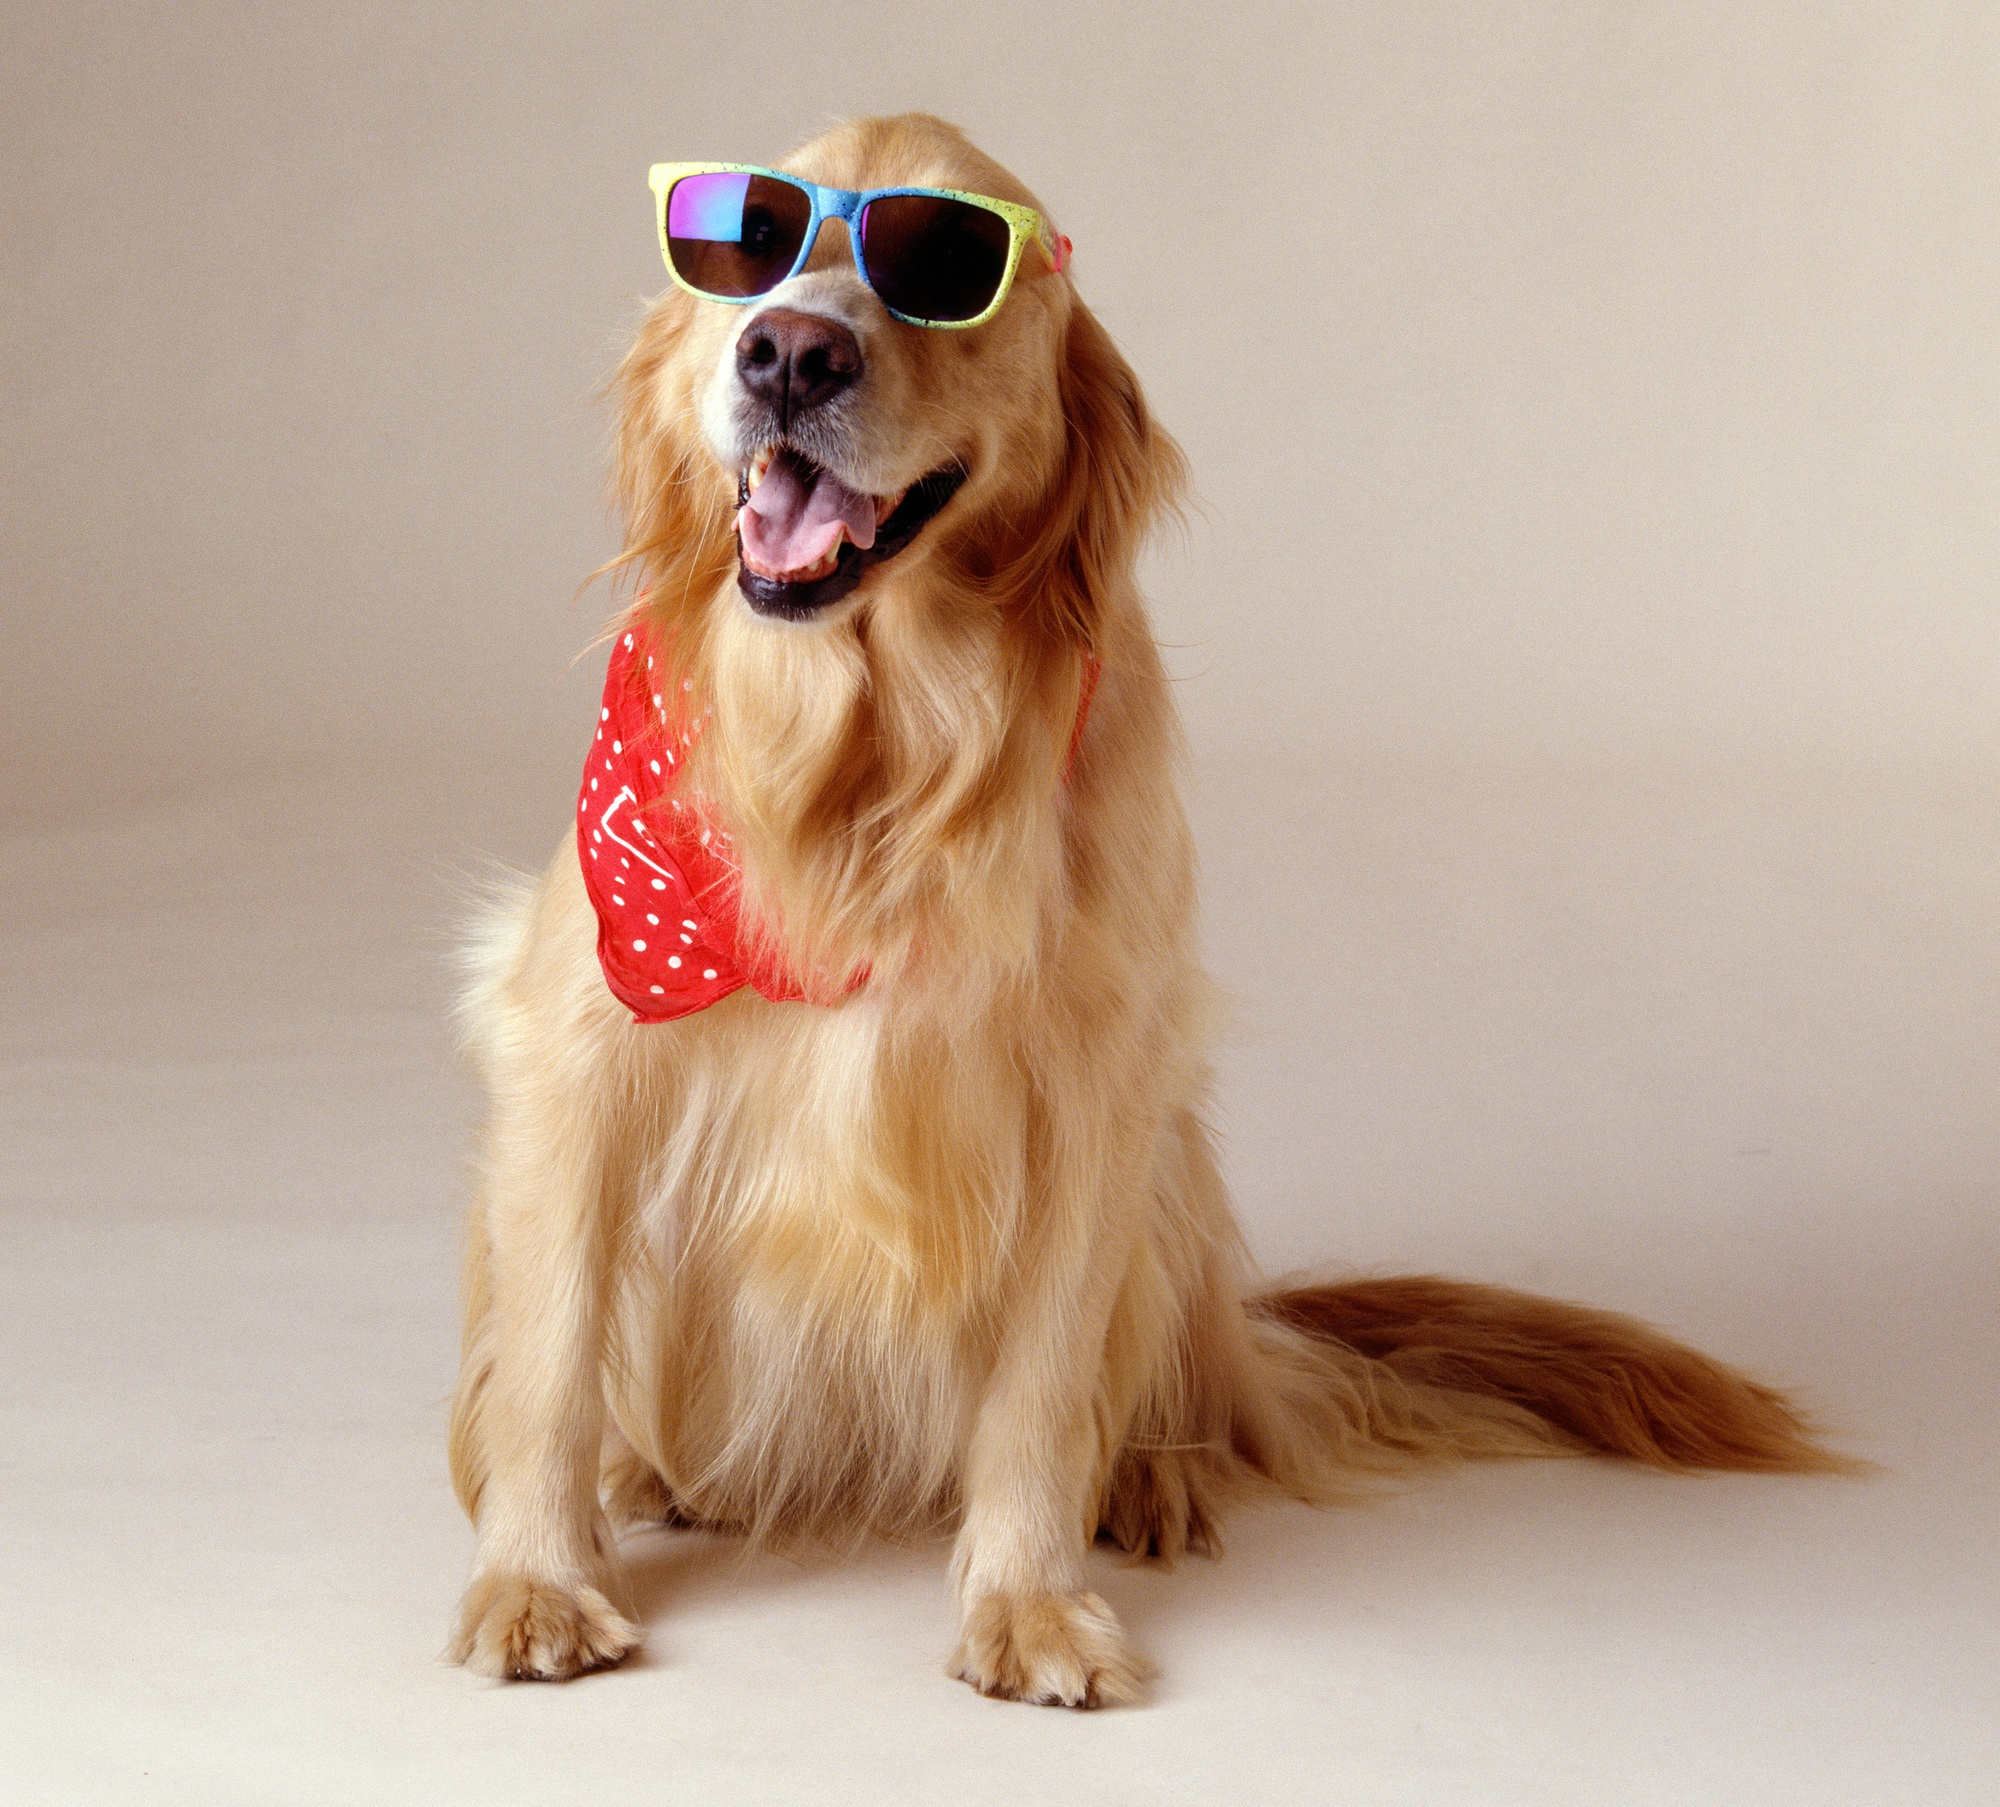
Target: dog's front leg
[[1032, 1631], [528, 1421]]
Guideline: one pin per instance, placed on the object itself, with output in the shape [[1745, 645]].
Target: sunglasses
[[934, 256]]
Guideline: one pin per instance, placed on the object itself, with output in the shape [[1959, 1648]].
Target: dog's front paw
[[1056, 1650], [526, 1630]]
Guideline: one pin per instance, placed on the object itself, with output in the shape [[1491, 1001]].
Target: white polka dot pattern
[[622, 803]]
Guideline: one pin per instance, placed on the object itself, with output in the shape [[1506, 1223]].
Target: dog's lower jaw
[[921, 502]]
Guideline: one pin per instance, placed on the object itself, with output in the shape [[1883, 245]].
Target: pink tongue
[[796, 514]]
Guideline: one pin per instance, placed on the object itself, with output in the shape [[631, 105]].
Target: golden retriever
[[936, 1239]]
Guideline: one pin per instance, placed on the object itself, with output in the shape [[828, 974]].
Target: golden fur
[[952, 1251]]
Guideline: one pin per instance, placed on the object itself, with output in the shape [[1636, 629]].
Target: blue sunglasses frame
[[1024, 224]]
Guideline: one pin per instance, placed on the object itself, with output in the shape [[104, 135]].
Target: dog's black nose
[[796, 361]]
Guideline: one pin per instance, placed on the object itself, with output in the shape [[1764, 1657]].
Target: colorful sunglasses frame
[[845, 205]]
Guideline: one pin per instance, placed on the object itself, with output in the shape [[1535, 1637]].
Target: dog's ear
[[1121, 472], [674, 504]]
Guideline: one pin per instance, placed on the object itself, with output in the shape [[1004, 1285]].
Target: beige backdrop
[[1588, 642], [1607, 381]]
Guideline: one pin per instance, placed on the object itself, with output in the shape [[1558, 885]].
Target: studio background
[[1586, 635]]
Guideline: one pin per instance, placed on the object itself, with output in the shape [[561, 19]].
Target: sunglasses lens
[[933, 258], [735, 234]]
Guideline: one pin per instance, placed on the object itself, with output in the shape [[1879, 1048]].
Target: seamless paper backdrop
[[1587, 635], [1563, 380]]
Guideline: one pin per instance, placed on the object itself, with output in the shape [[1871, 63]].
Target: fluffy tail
[[1461, 1369]]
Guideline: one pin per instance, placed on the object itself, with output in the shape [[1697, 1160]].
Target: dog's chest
[[826, 1239], [819, 1162]]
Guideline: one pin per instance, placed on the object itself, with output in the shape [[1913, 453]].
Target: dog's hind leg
[[635, 1492]]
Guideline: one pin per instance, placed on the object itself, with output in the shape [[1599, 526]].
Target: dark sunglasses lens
[[932, 258], [735, 234]]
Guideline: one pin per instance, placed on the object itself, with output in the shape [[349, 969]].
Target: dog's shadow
[[1428, 1550], [1266, 1548], [670, 1567]]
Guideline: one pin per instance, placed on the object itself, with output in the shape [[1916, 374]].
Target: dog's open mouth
[[804, 539]]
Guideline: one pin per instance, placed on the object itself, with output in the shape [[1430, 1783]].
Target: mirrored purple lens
[[735, 234]]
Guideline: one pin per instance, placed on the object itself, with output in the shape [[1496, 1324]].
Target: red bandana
[[664, 881]]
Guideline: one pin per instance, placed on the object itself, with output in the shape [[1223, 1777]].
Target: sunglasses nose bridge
[[828, 252]]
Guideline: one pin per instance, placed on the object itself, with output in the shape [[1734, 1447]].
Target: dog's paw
[[1056, 1650], [635, 1495], [525, 1630]]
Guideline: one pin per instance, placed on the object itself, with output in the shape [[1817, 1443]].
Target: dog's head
[[1015, 459], [885, 735]]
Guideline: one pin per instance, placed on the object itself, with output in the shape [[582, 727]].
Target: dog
[[846, 1171]]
